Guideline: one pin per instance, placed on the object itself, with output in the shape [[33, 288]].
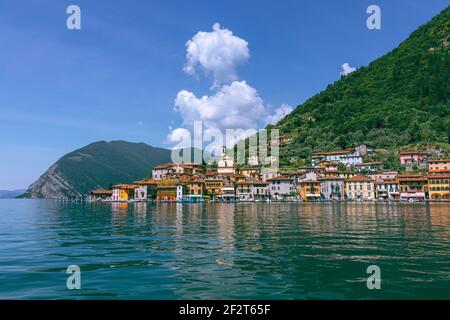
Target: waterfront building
[[196, 187], [412, 187], [439, 166], [439, 186], [167, 190], [228, 193], [213, 187], [387, 189], [182, 192], [374, 166], [360, 188], [97, 195], [414, 158], [347, 157], [146, 190], [123, 192], [332, 188], [253, 160], [252, 190], [281, 187], [309, 190]]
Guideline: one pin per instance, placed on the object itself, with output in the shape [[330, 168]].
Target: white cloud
[[237, 105], [279, 114], [347, 69], [217, 53]]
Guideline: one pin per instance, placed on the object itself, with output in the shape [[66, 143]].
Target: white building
[[226, 165], [348, 157]]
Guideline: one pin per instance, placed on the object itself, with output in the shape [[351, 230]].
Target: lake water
[[224, 251]]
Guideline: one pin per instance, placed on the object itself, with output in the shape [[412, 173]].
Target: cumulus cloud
[[237, 105], [347, 69], [278, 114], [217, 53]]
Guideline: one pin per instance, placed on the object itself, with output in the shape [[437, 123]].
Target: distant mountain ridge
[[97, 166], [10, 194], [400, 99]]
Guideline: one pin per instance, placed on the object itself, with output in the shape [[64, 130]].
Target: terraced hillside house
[[409, 159], [161, 171], [360, 188], [439, 166], [374, 166], [347, 157]]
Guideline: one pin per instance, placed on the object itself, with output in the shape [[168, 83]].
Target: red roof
[[439, 161], [101, 191], [404, 153], [252, 183], [376, 163], [280, 179], [359, 178]]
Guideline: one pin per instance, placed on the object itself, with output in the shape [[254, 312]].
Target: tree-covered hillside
[[401, 99]]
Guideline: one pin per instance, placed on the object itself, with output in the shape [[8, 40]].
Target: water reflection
[[226, 251]]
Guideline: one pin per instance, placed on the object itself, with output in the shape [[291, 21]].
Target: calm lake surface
[[224, 251]]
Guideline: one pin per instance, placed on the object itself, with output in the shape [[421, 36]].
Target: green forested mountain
[[401, 99], [97, 165]]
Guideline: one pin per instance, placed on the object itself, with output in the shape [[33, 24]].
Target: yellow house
[[167, 190], [213, 187], [123, 192], [360, 188], [439, 186], [196, 187]]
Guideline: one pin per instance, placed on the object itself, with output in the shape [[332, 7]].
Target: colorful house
[[411, 158], [413, 187], [213, 187], [167, 190], [439, 186], [123, 192], [252, 190], [439, 166], [387, 189], [309, 190], [360, 188], [281, 187], [332, 188], [347, 157], [374, 166], [146, 190]]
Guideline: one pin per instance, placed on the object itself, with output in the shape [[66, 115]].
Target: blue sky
[[118, 77]]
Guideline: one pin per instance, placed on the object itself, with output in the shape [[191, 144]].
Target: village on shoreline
[[324, 180]]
